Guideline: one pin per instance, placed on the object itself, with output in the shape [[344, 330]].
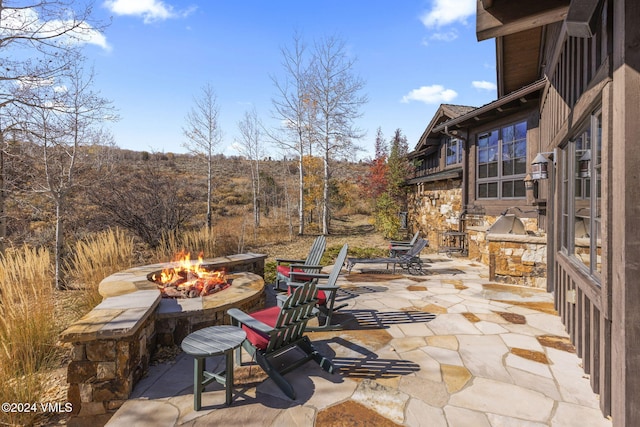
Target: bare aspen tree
[[291, 107], [249, 145], [62, 121], [336, 92], [203, 134], [37, 41]]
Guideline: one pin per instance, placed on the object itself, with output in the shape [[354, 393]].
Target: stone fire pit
[[112, 344]]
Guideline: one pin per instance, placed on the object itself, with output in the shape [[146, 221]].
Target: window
[[454, 151], [502, 162], [581, 196]]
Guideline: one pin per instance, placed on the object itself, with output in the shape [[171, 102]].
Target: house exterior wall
[[493, 207], [435, 207], [595, 276]]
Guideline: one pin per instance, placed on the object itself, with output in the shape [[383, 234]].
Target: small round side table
[[207, 342]]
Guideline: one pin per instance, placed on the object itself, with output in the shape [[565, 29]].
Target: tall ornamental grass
[[96, 257], [28, 327]]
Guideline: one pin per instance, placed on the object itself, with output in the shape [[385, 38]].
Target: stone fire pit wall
[[112, 344]]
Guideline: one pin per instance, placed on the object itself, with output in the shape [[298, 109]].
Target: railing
[[422, 171]]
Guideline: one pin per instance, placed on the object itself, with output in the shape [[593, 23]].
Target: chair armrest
[[246, 319], [327, 287], [287, 260], [309, 266], [308, 275], [280, 299]]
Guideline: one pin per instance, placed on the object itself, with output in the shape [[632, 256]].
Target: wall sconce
[[529, 182], [540, 165], [434, 198], [584, 165]]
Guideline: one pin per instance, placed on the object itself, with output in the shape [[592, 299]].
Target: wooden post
[[625, 334]]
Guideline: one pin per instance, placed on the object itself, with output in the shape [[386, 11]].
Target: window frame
[[493, 153], [570, 199], [459, 151]]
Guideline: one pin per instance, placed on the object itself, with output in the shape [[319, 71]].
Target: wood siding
[[580, 82]]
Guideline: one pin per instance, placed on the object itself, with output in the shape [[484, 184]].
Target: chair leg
[[275, 376], [328, 315], [306, 346]]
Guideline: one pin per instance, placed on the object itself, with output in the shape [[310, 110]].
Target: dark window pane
[[520, 166], [507, 168], [493, 169], [507, 188], [482, 191], [587, 188], [492, 189], [518, 189], [482, 171]]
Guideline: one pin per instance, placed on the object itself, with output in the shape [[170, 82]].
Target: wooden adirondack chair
[[285, 266], [272, 332], [326, 291]]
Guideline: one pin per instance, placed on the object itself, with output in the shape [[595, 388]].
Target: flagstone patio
[[448, 348]]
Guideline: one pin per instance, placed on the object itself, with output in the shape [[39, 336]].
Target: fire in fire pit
[[189, 279]]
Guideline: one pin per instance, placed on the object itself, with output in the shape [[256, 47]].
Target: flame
[[189, 276], [185, 268]]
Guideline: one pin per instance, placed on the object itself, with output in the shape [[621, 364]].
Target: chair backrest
[[414, 239], [335, 272], [415, 249], [296, 311], [315, 253]]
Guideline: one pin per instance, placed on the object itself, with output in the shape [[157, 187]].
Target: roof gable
[[444, 113]]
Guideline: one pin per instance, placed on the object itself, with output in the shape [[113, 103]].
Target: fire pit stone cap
[[114, 317]]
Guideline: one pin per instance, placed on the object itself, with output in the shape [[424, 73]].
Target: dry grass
[[28, 328], [93, 259]]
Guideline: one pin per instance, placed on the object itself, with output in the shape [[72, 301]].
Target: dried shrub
[[28, 328], [96, 257]]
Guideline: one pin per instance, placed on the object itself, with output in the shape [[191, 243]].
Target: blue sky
[[156, 56]]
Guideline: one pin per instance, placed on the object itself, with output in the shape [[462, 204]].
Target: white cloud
[[85, 34], [445, 12], [447, 36], [149, 10], [484, 85], [434, 94], [28, 82], [25, 22]]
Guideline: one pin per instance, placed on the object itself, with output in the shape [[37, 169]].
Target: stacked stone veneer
[[434, 208], [520, 260], [513, 259], [112, 344]]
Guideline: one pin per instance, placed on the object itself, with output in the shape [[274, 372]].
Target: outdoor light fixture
[[584, 165], [529, 182], [540, 165]]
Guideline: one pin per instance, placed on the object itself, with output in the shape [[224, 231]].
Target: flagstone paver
[[449, 348]]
